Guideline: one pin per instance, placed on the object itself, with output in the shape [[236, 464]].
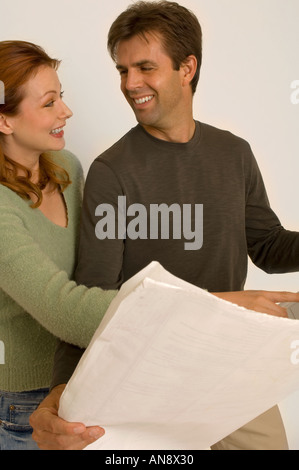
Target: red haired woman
[[40, 200]]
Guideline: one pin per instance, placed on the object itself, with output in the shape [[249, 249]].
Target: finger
[[282, 296], [278, 311], [45, 419], [50, 441], [270, 308]]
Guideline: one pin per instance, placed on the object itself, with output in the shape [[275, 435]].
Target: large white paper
[[174, 367]]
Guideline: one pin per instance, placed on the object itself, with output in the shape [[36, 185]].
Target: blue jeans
[[15, 410]]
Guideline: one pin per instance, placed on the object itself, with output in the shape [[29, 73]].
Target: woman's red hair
[[20, 61]]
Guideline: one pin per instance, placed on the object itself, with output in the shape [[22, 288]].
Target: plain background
[[250, 62]]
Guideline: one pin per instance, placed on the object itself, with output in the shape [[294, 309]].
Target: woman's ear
[[5, 126], [188, 68]]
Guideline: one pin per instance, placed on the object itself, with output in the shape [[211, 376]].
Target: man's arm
[[271, 247], [66, 358], [100, 261], [261, 301]]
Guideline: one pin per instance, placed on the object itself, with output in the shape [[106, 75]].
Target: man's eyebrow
[[140, 63], [120, 67]]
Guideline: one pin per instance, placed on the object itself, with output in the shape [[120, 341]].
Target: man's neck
[[179, 134]]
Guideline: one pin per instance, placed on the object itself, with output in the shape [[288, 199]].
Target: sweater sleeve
[[100, 261], [270, 246], [69, 311]]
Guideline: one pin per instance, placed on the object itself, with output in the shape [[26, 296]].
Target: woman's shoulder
[[67, 160], [7, 196]]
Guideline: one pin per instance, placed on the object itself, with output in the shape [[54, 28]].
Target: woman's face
[[42, 115]]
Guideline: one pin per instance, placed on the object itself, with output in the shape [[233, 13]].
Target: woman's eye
[[50, 104]]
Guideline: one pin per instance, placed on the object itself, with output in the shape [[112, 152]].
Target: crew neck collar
[[193, 141]]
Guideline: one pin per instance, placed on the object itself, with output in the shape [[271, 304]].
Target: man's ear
[[5, 125], [188, 68]]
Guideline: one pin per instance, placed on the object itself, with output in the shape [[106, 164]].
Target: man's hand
[[53, 433], [261, 301]]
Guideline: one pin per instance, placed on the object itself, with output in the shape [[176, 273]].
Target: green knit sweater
[[38, 301]]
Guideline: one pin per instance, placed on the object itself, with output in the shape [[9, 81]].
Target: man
[[170, 161]]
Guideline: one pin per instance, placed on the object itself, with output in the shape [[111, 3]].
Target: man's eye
[[146, 69]]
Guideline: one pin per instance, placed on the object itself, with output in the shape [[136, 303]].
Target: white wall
[[250, 60]]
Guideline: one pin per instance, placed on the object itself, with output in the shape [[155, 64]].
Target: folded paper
[[173, 367]]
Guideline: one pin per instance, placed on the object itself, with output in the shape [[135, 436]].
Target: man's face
[[150, 84]]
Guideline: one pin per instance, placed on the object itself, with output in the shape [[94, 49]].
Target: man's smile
[[143, 100]]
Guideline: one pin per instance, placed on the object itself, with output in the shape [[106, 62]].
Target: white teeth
[[144, 100], [56, 131]]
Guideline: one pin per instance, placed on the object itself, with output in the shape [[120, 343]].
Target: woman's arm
[[35, 283]]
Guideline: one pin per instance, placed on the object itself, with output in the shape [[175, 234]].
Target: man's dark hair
[[177, 26]]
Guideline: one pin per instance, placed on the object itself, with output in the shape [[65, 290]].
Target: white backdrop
[[250, 64]]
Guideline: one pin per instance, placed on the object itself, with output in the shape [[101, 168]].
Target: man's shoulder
[[123, 149], [116, 159], [218, 136]]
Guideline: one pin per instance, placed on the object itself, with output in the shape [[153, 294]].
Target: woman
[[40, 199]]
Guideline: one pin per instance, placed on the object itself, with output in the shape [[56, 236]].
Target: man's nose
[[133, 80]]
